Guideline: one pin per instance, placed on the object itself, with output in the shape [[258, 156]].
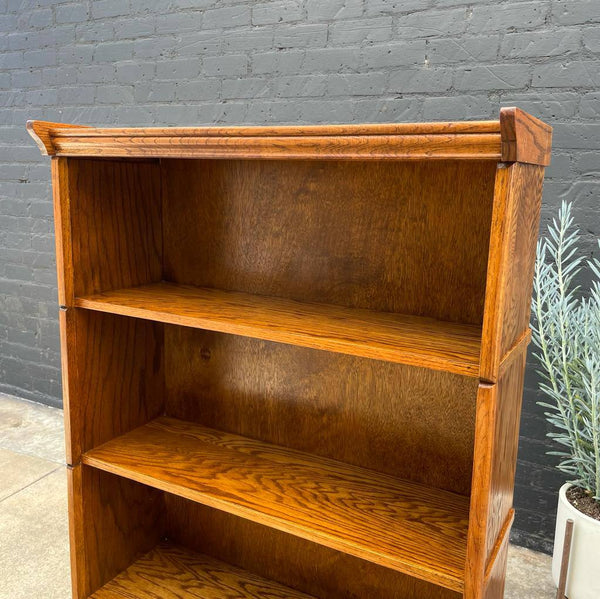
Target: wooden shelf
[[408, 527], [412, 340], [171, 571]]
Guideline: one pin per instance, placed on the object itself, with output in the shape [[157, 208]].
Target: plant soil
[[583, 502]]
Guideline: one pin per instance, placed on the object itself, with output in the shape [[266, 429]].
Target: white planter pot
[[583, 581]]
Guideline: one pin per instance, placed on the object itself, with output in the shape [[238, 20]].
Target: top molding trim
[[515, 137]]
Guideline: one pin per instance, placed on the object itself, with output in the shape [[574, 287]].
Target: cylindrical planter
[[583, 581]]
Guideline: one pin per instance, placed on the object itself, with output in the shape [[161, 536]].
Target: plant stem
[[544, 345], [596, 430], [563, 346]]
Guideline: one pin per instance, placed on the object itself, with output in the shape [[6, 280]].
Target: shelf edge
[[410, 358], [421, 571]]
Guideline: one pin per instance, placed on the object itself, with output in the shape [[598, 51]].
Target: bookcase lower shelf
[[411, 528], [172, 571]]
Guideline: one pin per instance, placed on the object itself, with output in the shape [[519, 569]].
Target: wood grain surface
[[375, 147], [316, 401], [351, 142], [62, 231], [113, 376], [431, 128], [397, 338], [113, 521], [411, 528], [173, 572], [517, 136], [524, 138], [291, 560], [496, 445], [517, 203], [495, 577], [525, 201], [410, 238], [509, 399], [115, 222], [42, 132]]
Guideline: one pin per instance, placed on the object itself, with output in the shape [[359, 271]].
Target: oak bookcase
[[293, 356]]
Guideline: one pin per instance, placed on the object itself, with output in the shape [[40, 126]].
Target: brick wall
[[185, 62]]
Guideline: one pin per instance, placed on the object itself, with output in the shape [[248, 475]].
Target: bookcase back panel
[[290, 560], [420, 231], [115, 223], [409, 422]]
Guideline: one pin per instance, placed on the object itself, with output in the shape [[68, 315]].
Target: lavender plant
[[566, 333]]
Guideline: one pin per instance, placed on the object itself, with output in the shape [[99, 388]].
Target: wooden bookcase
[[293, 356]]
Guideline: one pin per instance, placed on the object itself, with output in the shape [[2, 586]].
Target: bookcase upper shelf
[[404, 339], [515, 137]]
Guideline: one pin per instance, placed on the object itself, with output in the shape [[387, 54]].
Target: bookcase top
[[515, 137]]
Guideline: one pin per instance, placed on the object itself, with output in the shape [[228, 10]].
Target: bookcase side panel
[[495, 578], [116, 231], [517, 203], [290, 560], [69, 378], [114, 379], [411, 423], [507, 423], [495, 459], [526, 205], [62, 230], [112, 522], [407, 237]]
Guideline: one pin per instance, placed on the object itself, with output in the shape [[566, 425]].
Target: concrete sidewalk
[[34, 537], [34, 556]]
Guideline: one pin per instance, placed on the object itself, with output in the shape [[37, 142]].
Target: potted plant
[[566, 333]]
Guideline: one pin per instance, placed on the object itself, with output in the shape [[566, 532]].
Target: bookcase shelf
[[293, 357], [404, 339], [412, 528], [171, 571]]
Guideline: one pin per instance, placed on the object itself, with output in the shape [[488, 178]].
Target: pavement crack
[[33, 482]]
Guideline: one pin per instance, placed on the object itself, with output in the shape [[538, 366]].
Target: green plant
[[566, 333]]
